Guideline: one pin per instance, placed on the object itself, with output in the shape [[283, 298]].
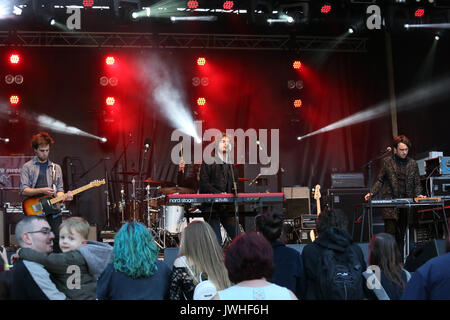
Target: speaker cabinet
[[349, 200], [297, 201], [423, 253]]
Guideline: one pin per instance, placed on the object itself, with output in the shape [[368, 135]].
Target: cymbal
[[181, 190], [152, 181], [243, 179], [133, 173]]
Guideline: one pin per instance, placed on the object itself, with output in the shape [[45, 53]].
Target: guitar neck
[[74, 192], [318, 206]]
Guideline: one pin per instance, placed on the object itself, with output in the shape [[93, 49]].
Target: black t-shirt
[[42, 178]]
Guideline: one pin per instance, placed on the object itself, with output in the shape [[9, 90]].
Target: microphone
[[147, 144], [5, 140], [388, 149]]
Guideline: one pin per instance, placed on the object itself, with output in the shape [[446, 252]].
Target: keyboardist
[[219, 177], [398, 178]]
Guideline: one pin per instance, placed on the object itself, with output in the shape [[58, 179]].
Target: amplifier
[[437, 166], [439, 186], [347, 180]]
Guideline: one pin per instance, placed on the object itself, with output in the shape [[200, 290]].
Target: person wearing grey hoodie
[[75, 271]]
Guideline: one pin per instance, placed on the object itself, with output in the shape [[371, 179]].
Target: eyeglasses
[[43, 230]]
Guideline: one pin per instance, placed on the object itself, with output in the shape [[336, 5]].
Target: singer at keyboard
[[398, 178], [220, 177]]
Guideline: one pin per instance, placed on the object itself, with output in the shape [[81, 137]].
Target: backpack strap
[[378, 289]]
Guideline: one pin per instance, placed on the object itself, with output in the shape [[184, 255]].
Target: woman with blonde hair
[[200, 255]]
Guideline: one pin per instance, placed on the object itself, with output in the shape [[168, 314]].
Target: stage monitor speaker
[[349, 200], [422, 254], [297, 201]]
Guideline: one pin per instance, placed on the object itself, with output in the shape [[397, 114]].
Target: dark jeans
[[224, 216], [398, 229], [54, 220]]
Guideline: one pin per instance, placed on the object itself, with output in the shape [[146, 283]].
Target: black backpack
[[340, 276]]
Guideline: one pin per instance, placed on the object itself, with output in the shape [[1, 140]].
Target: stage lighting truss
[[180, 41]]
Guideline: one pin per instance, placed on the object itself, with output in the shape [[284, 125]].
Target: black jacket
[[217, 178], [288, 269], [332, 238]]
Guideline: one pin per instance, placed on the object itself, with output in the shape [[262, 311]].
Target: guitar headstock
[[317, 192], [97, 183]]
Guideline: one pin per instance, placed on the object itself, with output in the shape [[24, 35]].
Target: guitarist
[[40, 177]]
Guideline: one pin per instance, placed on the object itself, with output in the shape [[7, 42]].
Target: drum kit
[[147, 205]]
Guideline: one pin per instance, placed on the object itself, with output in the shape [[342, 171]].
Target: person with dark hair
[[384, 254], [40, 177], [220, 177], [135, 272], [333, 263], [398, 178], [30, 279], [288, 264], [249, 261], [432, 280]]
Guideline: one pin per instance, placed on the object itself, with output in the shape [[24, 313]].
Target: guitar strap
[[54, 177]]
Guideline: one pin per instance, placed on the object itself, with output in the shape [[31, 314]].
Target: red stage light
[[14, 58], [14, 100], [228, 5], [88, 3], [297, 64], [201, 61], [298, 103], [110, 101], [110, 61], [419, 13], [192, 4], [201, 101], [326, 8]]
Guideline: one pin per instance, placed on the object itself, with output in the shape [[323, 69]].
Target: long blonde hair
[[204, 254]]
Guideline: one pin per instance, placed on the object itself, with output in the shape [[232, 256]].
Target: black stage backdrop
[[247, 89]]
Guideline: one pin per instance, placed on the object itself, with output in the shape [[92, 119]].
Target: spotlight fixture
[[419, 13], [326, 8], [14, 58], [297, 65], [110, 60], [351, 30], [110, 101], [436, 37], [298, 103], [201, 101], [14, 100], [228, 5], [201, 61], [192, 4]]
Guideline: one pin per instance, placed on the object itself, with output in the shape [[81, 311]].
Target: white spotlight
[[52, 22], [103, 139], [436, 37], [351, 30]]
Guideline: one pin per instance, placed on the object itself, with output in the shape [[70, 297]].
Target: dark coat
[[431, 281], [332, 238], [288, 269], [387, 183], [217, 178]]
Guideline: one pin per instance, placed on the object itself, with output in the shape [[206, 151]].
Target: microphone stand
[[368, 165], [236, 209]]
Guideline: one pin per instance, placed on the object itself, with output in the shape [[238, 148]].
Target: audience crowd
[[255, 266]]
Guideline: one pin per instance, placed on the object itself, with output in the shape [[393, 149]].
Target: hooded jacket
[[88, 261], [333, 238]]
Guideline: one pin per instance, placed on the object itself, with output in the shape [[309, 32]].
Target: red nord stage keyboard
[[225, 198]]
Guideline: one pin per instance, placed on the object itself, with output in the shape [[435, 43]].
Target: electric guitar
[[317, 196], [46, 204]]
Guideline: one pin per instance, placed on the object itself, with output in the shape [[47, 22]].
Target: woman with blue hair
[[135, 273]]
